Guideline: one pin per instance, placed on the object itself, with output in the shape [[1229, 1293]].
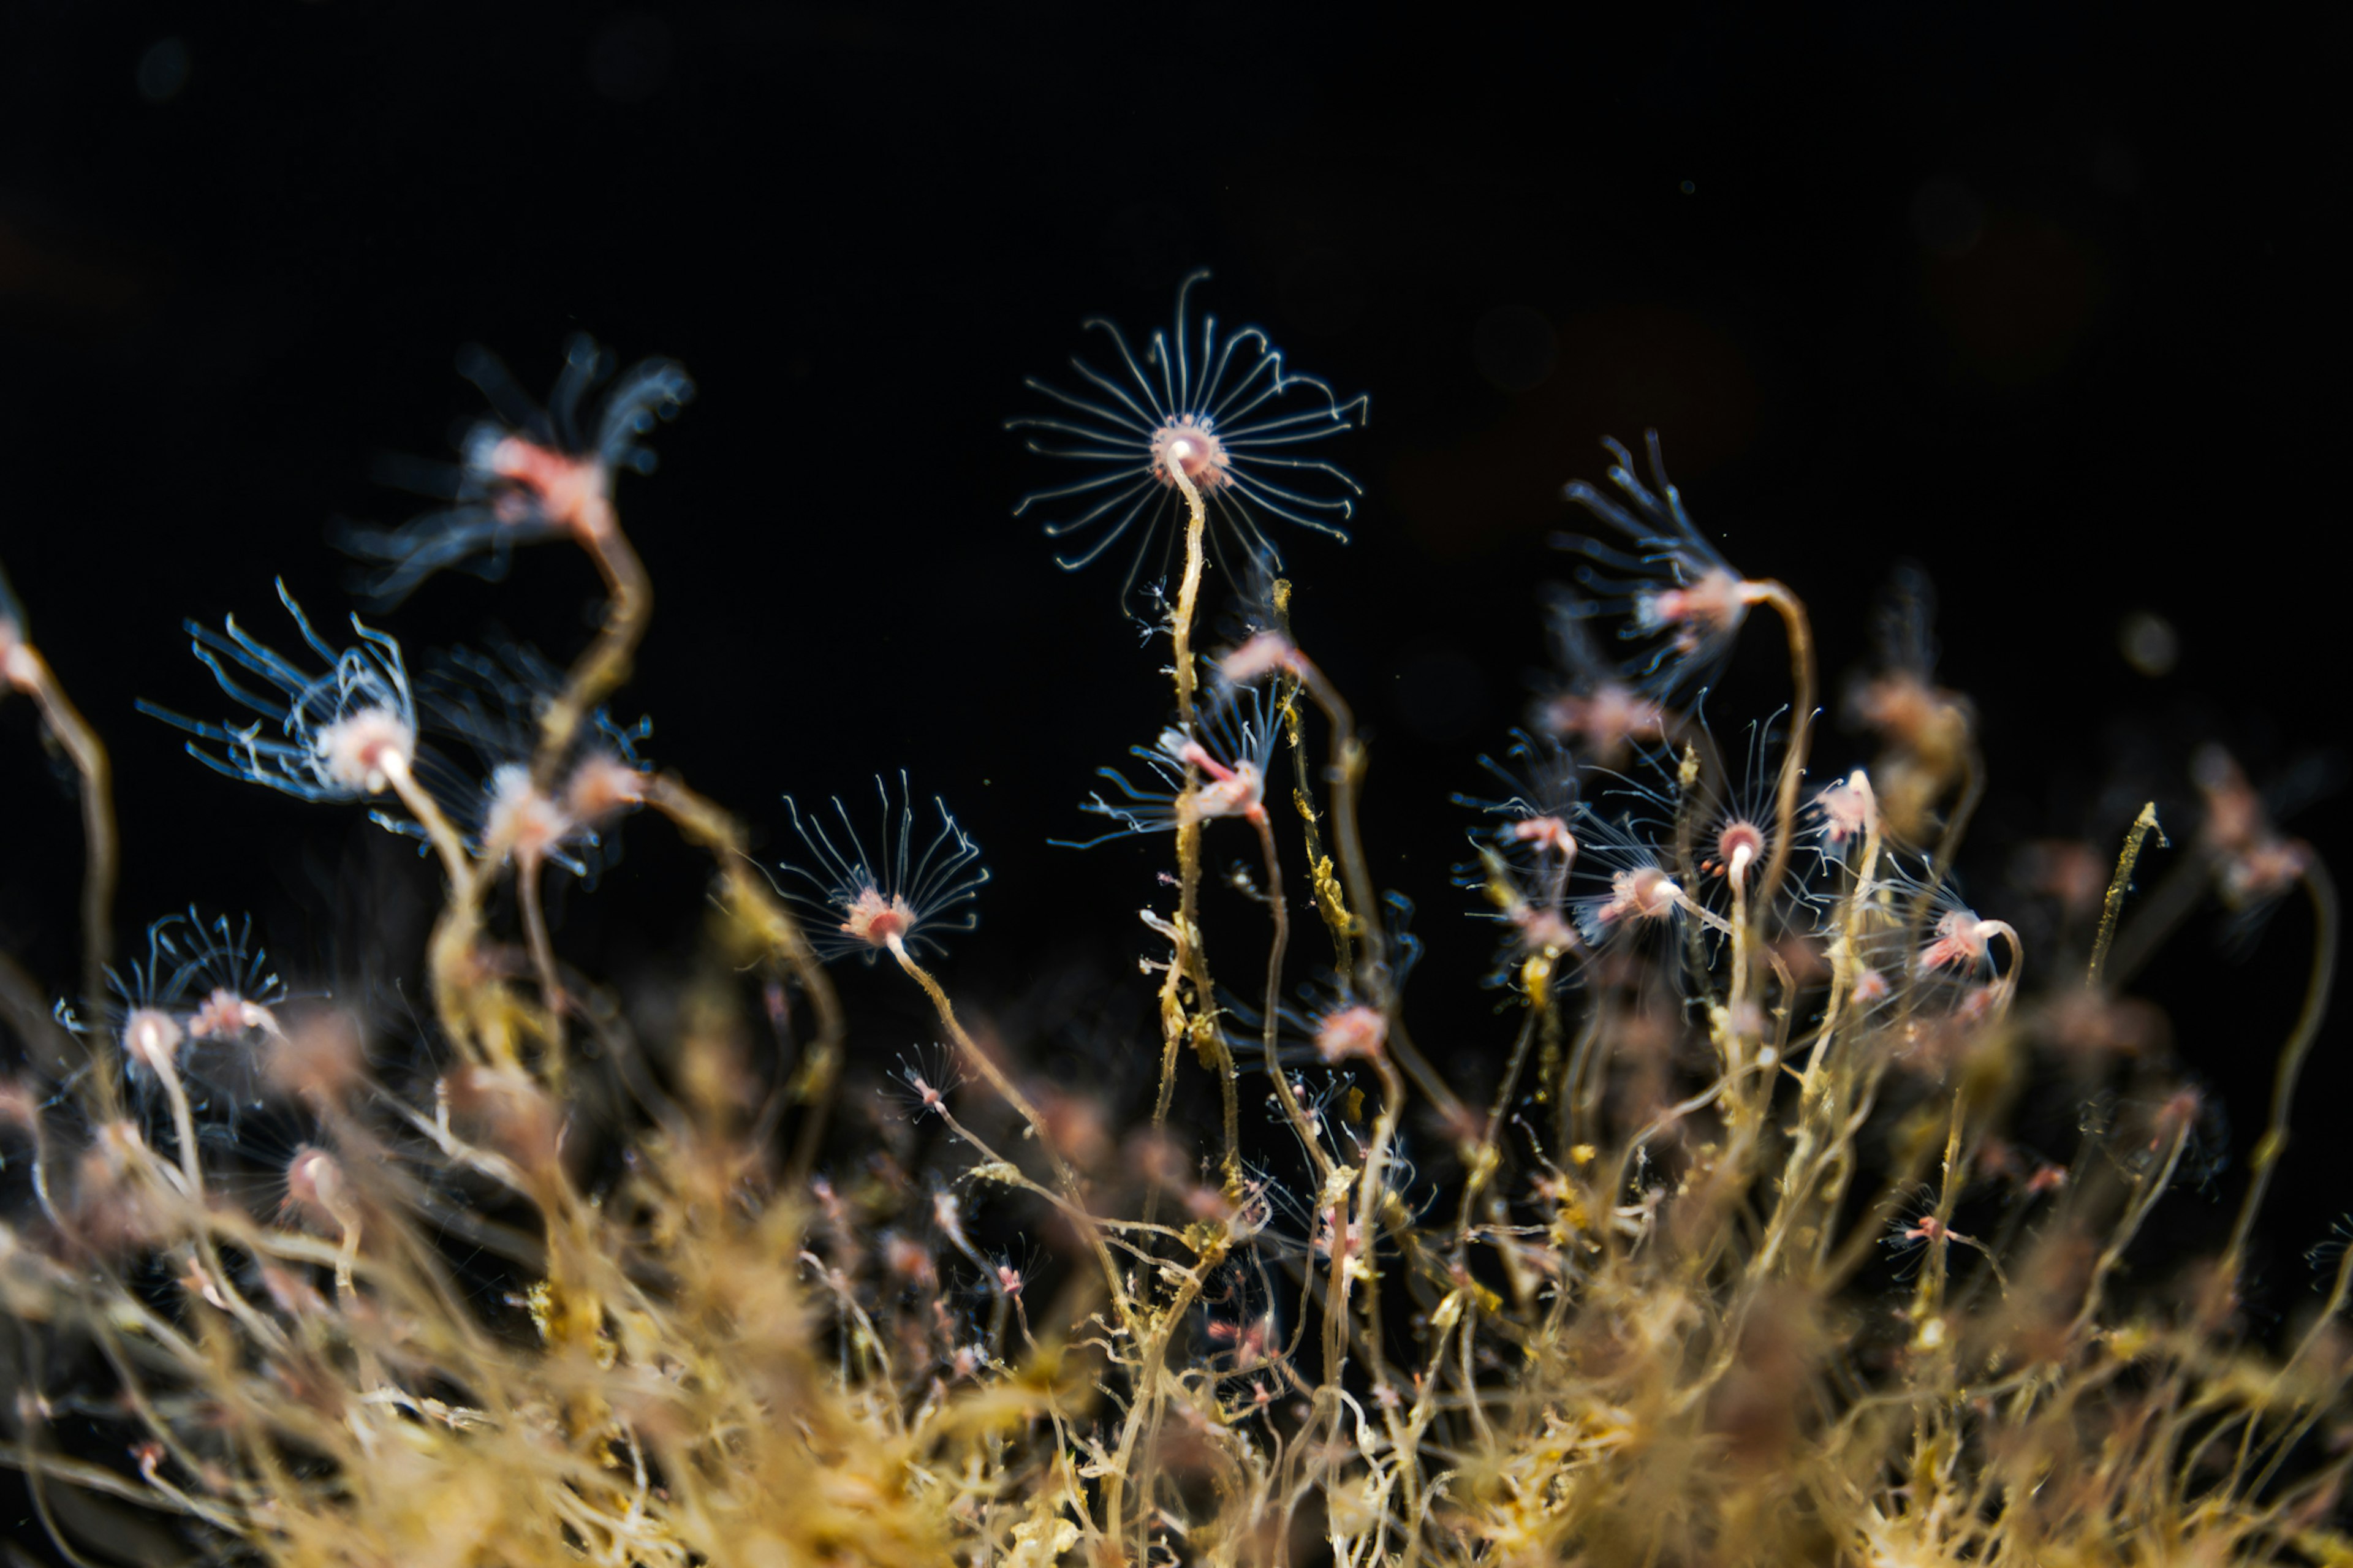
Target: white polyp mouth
[[364, 752], [1738, 848], [1642, 894], [1183, 450], [152, 1039]]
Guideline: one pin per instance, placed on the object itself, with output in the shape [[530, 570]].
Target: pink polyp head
[[908, 1260], [321, 1057], [20, 666], [871, 918], [601, 786], [225, 1015], [1240, 793], [1644, 894], [1336, 1230], [1546, 833], [522, 822], [19, 1106], [1849, 809], [1738, 848], [1900, 704], [1960, 941], [1185, 445], [2265, 870], [566, 491], [315, 1188], [1710, 605], [1356, 1031], [362, 751], [1610, 716]]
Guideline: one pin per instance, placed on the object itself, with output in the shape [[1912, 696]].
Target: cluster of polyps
[[494, 703], [530, 826], [200, 981]]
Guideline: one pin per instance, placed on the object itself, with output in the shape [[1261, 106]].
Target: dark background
[[2041, 300]]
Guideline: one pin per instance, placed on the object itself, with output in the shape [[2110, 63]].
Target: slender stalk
[[748, 894], [1736, 993], [1930, 1292], [984, 1064], [1294, 734], [1188, 592], [1816, 1112], [1292, 1108], [2151, 1190], [347, 1254], [629, 607], [1352, 1254], [1147, 1405], [1188, 962], [1801, 719], [2157, 916], [543, 962], [191, 1172], [1484, 1157], [2143, 826], [2284, 1444], [31, 673], [1581, 1079], [1956, 822], [2322, 890], [1154, 1337], [1188, 835], [456, 987], [1345, 777], [439, 830]]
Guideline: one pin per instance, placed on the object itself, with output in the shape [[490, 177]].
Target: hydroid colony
[[1736, 1247]]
